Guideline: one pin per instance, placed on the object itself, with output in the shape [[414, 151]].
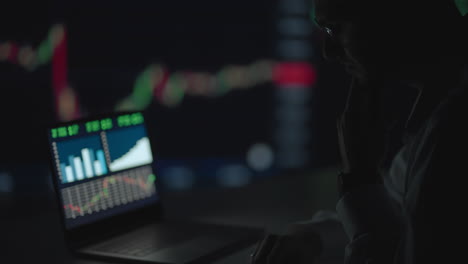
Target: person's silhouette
[[407, 211]]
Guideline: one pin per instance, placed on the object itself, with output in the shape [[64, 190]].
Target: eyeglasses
[[325, 29]]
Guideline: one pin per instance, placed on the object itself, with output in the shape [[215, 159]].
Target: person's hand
[[298, 245], [360, 133]]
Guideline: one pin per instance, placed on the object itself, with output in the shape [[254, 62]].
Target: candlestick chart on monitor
[[217, 80]]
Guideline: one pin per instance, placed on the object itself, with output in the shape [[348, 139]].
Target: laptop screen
[[103, 167]]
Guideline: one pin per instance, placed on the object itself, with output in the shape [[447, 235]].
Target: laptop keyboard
[[138, 248], [138, 244]]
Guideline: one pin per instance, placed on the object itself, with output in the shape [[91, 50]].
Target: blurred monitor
[[227, 86]]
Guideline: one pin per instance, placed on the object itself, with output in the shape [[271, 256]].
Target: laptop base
[[172, 243]]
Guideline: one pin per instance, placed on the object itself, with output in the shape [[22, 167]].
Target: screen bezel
[[91, 232]]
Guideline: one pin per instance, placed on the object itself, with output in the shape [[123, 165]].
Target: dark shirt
[[415, 216]]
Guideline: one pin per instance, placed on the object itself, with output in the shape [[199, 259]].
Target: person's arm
[[372, 222], [318, 239], [435, 196], [370, 217], [433, 201]]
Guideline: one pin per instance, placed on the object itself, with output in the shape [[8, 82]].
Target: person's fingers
[[299, 245], [263, 249], [280, 253], [293, 249]]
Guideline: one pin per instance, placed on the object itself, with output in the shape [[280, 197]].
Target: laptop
[[107, 186]]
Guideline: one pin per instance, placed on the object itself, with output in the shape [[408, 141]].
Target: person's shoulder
[[447, 131], [451, 114]]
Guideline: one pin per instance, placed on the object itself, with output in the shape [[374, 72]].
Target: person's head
[[399, 38]]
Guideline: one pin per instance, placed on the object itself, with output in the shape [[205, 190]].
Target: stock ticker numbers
[[66, 131], [99, 125], [130, 120], [107, 123]]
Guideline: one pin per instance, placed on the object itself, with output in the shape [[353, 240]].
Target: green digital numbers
[[124, 121], [73, 130], [106, 124], [130, 120], [66, 131], [137, 119], [93, 126], [62, 132], [98, 125], [54, 133]]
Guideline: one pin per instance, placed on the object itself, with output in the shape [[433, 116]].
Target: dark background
[[111, 42]]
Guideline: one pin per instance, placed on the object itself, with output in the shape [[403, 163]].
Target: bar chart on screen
[[80, 159]]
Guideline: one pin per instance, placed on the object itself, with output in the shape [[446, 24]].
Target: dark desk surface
[[30, 229]]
